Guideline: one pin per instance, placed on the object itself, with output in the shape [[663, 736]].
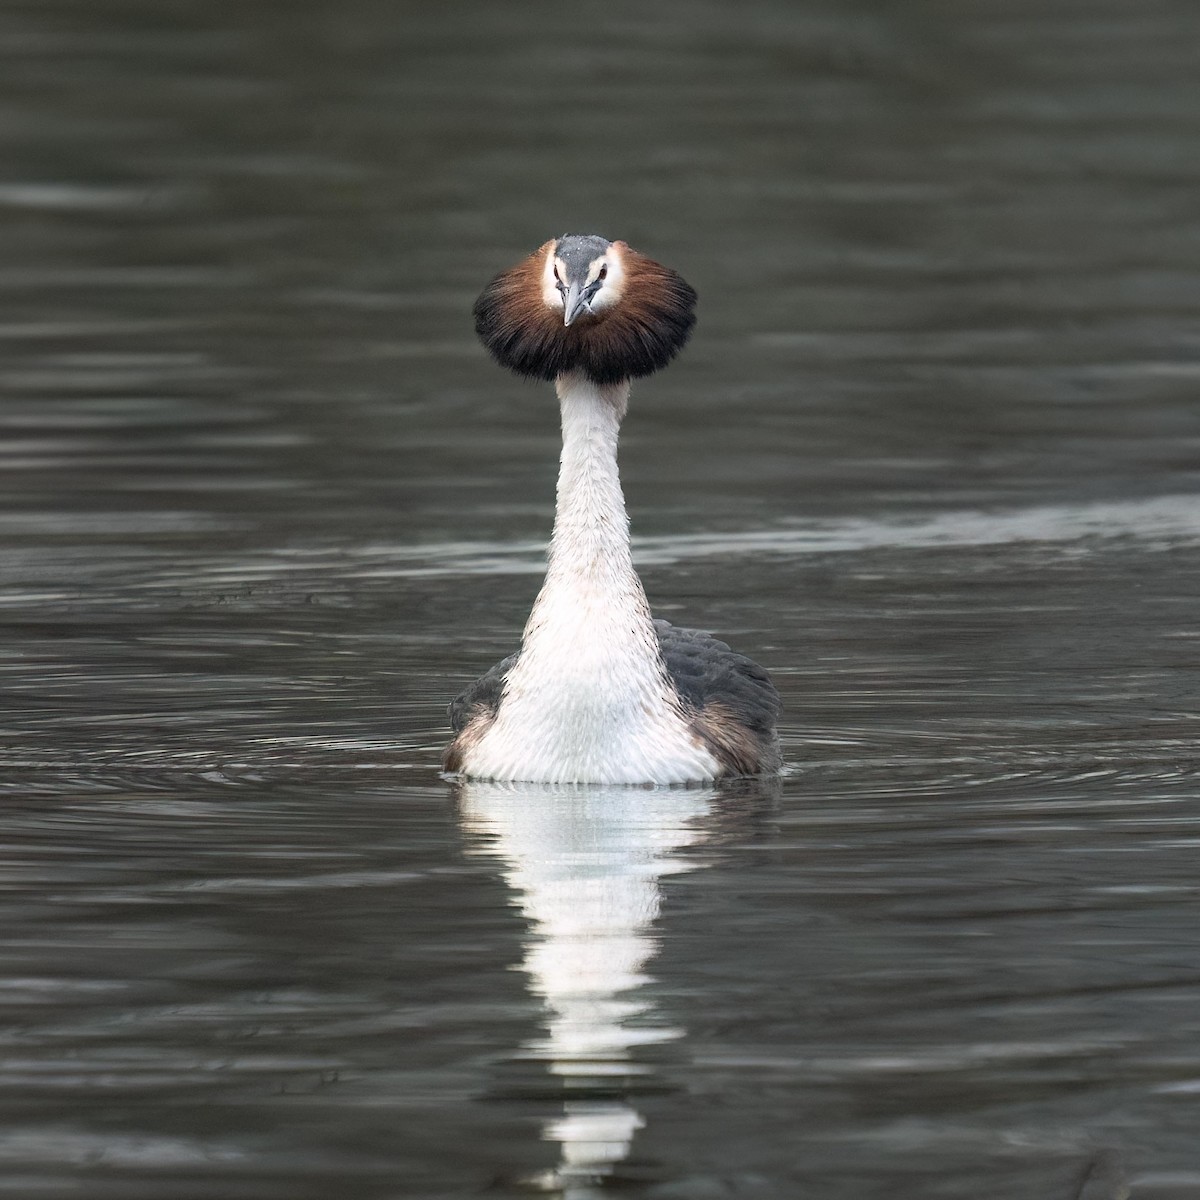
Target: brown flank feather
[[731, 742], [467, 738], [641, 333]]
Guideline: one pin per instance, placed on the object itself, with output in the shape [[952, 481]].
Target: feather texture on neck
[[589, 699]]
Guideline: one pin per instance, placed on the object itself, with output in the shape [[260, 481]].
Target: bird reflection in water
[[586, 863]]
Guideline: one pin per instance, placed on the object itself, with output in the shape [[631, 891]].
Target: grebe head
[[578, 279], [581, 304]]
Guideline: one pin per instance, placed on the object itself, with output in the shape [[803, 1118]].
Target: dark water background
[[933, 457]]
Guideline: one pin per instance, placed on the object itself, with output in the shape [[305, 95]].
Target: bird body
[[600, 692]]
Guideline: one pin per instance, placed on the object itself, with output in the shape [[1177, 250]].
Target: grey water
[[933, 457]]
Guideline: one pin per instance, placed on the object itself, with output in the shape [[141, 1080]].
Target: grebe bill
[[599, 691]]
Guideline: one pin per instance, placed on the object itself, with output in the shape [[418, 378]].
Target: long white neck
[[589, 699], [589, 552], [591, 624]]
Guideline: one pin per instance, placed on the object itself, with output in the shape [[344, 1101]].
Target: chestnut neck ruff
[[640, 334]]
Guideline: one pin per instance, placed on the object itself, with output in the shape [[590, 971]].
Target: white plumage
[[589, 699]]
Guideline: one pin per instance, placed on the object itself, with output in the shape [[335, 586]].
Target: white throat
[[589, 700]]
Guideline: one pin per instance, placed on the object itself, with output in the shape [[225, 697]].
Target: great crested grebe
[[601, 692]]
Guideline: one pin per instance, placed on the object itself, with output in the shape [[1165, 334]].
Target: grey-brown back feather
[[482, 698], [706, 671]]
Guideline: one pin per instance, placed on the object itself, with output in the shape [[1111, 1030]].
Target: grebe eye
[[603, 271]]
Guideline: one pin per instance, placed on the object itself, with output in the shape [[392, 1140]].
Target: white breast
[[588, 703]]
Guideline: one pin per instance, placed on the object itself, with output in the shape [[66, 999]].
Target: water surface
[[265, 506]]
